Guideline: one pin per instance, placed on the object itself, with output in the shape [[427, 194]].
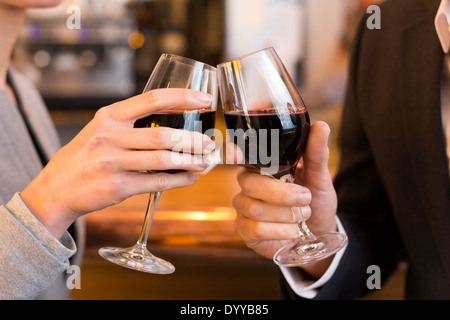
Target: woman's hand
[[109, 160], [264, 219]]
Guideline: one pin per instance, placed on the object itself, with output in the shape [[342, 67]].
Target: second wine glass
[[171, 71], [267, 118]]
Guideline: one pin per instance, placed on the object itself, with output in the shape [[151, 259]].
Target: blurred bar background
[[111, 57]]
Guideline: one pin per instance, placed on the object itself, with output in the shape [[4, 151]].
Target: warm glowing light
[[219, 214], [197, 215], [136, 39]]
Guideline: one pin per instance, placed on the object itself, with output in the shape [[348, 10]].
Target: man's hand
[[264, 219]]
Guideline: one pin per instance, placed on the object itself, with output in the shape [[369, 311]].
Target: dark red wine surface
[[199, 121], [292, 133]]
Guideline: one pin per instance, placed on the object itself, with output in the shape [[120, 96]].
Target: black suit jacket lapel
[[422, 70]]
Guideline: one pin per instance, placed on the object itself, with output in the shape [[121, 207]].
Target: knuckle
[[189, 97], [289, 195], [102, 132], [239, 227], [115, 187], [236, 201], [157, 136], [102, 115], [246, 206], [104, 164], [99, 139], [246, 180], [157, 159], [259, 230], [243, 229], [148, 97], [161, 182], [255, 210], [239, 203], [99, 156], [282, 196]]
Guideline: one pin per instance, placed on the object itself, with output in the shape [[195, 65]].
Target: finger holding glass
[[171, 71]]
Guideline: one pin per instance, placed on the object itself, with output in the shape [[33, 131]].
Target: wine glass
[[267, 119], [171, 71]]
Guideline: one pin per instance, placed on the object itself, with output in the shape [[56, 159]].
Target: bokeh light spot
[[34, 32], [136, 39]]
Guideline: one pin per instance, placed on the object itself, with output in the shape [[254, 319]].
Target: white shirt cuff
[[306, 288]]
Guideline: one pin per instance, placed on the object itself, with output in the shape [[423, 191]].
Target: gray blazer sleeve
[[30, 257]]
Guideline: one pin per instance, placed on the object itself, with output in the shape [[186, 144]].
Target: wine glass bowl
[[171, 71], [269, 144], [268, 120]]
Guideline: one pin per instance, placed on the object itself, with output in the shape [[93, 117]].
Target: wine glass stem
[[303, 230], [151, 207]]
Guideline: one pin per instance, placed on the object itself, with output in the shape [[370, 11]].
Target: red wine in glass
[[281, 137], [198, 120]]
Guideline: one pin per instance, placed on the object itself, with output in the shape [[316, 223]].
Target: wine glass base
[[137, 258], [323, 246]]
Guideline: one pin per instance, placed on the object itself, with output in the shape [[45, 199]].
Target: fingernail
[[193, 177], [205, 162], [208, 145], [205, 98], [201, 163], [304, 197]]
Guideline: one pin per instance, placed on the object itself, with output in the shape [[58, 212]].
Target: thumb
[[315, 158], [314, 175]]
